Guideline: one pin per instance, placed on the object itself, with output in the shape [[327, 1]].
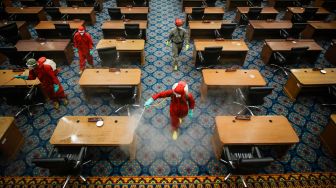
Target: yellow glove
[[187, 47], [167, 43]]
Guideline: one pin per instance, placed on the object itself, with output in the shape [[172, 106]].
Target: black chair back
[[254, 13], [253, 3], [108, 56], [139, 3], [115, 13], [54, 13], [210, 3], [212, 55], [197, 13], [253, 164], [226, 30], [124, 95], [256, 95], [12, 54], [296, 54], [10, 33], [64, 30], [57, 166], [132, 31], [309, 13], [297, 28]]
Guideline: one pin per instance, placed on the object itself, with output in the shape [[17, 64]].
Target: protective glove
[[149, 102], [91, 52], [190, 113], [167, 43], [76, 50], [187, 47], [21, 77], [56, 87]]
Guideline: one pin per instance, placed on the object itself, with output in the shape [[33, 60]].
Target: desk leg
[[69, 53], [24, 32], [249, 32], [238, 17], [216, 144], [308, 32], [142, 57], [132, 148], [139, 93], [292, 88], [204, 91], [42, 16], [194, 56], [93, 17]]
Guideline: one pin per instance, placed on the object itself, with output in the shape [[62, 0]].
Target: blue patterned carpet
[[157, 154]]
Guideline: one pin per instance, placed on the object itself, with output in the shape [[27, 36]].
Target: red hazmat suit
[[84, 44]]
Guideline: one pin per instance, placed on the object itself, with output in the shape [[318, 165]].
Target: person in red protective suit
[[47, 76], [84, 46], [182, 104]]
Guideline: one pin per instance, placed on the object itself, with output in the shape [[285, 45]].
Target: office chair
[[225, 31], [115, 14], [44, 3], [209, 3], [330, 99], [294, 32], [297, 18], [70, 165], [139, 3], [309, 13], [209, 57], [125, 96], [295, 56], [252, 14], [254, 3], [133, 31], [197, 13], [301, 3], [29, 101], [10, 33], [109, 56], [15, 57], [92, 3], [253, 98], [54, 13], [243, 160], [64, 31], [3, 13]]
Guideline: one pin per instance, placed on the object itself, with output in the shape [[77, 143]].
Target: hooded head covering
[[180, 88]]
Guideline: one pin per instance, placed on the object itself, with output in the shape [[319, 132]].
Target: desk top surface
[[207, 10], [47, 45], [212, 24], [275, 24], [102, 77], [50, 24], [134, 10], [322, 25], [6, 79], [127, 45], [18, 23], [24, 10], [240, 77], [261, 130], [76, 10], [265, 10], [300, 10], [310, 77], [120, 24], [5, 123], [228, 45], [286, 45], [76, 130]]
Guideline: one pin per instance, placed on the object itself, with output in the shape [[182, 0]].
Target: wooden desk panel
[[11, 138], [59, 50], [330, 54], [260, 130], [130, 45], [124, 3], [46, 29], [82, 4], [210, 13], [77, 131], [321, 13], [203, 30], [22, 27], [232, 4], [266, 13], [6, 79], [319, 29], [191, 3], [220, 78], [135, 13], [328, 135], [116, 28], [301, 78], [82, 13], [261, 29], [27, 13], [284, 46], [233, 50], [281, 4]]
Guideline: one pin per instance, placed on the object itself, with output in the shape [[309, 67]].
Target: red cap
[[41, 60], [179, 88], [178, 22], [81, 28]]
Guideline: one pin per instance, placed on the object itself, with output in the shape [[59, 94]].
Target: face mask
[[177, 95], [30, 68], [180, 27], [81, 32]]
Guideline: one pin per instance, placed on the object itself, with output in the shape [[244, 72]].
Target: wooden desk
[[330, 54], [22, 27], [260, 130], [233, 50], [77, 131], [191, 3], [321, 13], [11, 138], [135, 13], [82, 13], [116, 28], [59, 50], [210, 13], [32, 2], [266, 13], [328, 135], [232, 4], [284, 46], [82, 4], [261, 29], [124, 3], [202, 30], [101, 80], [219, 78], [46, 29], [318, 29], [27, 13], [281, 4], [307, 78], [128, 46]]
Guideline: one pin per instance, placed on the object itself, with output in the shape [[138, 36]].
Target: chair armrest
[[65, 17], [256, 150], [190, 17], [249, 3], [217, 34], [135, 90], [200, 56], [27, 55], [279, 57], [244, 17], [80, 156], [140, 34], [284, 34]]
